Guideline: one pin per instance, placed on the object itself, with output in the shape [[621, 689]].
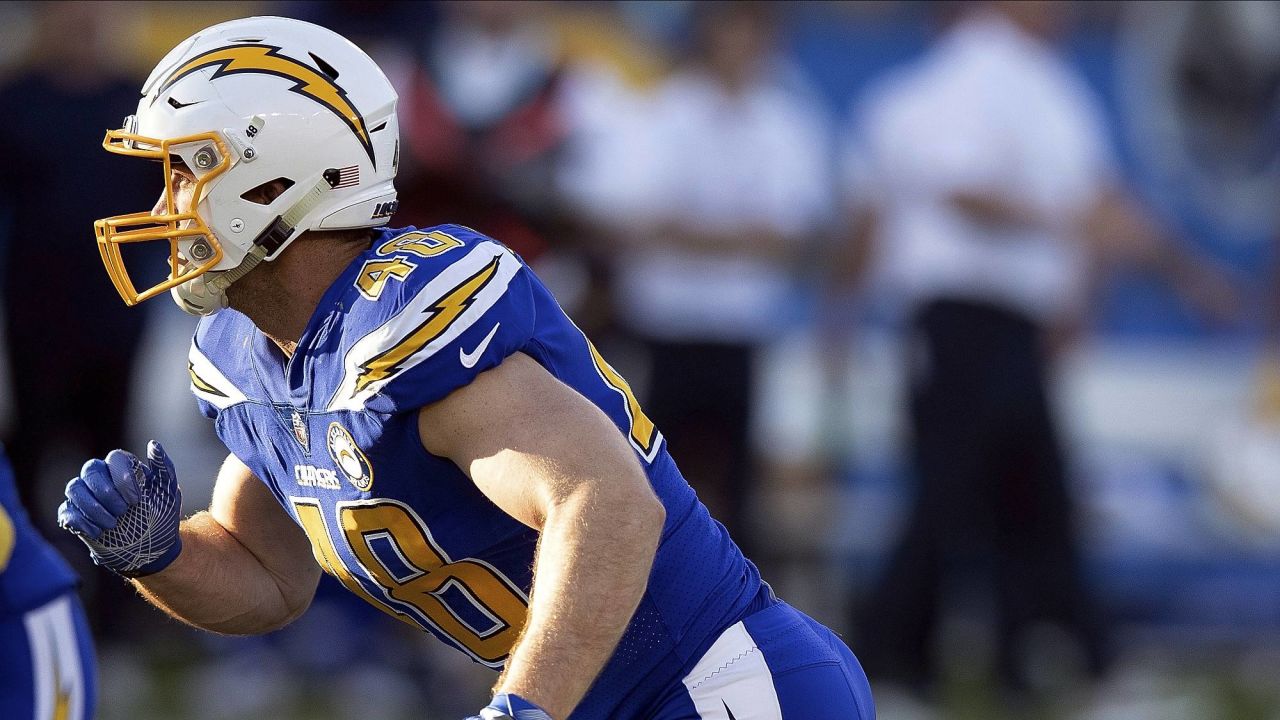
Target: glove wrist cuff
[[514, 707], [156, 565]]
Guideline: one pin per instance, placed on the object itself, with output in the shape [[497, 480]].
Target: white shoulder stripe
[[449, 304], [55, 661], [208, 383]]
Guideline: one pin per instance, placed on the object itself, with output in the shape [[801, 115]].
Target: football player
[[410, 411], [46, 650]]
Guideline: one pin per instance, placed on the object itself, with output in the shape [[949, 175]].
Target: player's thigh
[[778, 664], [47, 656]]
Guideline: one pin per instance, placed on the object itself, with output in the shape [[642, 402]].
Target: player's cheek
[[183, 196]]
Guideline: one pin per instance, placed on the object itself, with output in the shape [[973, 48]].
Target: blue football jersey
[[333, 433], [31, 572]]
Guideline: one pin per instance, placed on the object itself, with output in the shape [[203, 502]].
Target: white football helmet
[[244, 104]]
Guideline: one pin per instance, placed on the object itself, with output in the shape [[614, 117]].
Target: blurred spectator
[[984, 175], [391, 32], [716, 186], [71, 368], [1202, 107], [481, 124]]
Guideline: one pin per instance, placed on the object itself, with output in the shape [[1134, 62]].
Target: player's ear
[[267, 192]]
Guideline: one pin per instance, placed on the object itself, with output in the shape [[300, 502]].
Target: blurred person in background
[[482, 123], [51, 189], [480, 87], [724, 185], [488, 122], [45, 647], [983, 176]]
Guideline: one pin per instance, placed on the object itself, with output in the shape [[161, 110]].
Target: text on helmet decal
[[385, 209]]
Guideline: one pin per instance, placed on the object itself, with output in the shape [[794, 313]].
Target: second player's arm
[[245, 567], [554, 461]]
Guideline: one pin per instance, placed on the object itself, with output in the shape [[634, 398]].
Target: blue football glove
[[506, 706], [126, 511]]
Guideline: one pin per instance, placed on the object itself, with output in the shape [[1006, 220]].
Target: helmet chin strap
[[207, 294], [196, 297]]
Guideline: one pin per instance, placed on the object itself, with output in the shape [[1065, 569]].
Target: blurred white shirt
[[720, 163], [989, 109]]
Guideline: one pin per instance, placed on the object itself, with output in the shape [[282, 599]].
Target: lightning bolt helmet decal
[[438, 317], [267, 60]]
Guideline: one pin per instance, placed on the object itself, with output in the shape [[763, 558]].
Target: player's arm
[[245, 567], [242, 567], [554, 461]]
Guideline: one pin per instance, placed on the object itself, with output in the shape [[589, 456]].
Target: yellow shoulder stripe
[[440, 316], [200, 384], [208, 382]]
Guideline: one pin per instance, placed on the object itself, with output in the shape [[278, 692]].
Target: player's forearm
[[593, 566], [216, 584]]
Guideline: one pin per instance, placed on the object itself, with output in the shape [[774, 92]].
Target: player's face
[[183, 184]]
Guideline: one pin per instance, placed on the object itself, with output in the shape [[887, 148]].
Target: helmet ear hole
[[267, 192]]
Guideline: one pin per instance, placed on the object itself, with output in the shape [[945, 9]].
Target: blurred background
[[962, 316]]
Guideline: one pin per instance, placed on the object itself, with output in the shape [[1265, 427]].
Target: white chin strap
[[207, 293], [197, 297]]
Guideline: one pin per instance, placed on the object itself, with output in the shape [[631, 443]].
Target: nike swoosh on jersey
[[726, 709], [434, 319], [469, 359]]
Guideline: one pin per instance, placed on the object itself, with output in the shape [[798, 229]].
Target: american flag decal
[[342, 177]]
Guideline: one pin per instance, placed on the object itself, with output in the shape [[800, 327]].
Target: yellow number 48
[[374, 275], [424, 586]]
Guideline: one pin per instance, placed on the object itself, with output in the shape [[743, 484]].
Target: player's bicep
[[529, 441], [250, 513]]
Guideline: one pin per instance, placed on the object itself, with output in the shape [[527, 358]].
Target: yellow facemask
[[203, 254]]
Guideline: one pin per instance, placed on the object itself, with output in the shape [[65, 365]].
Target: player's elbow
[[291, 608], [282, 619], [295, 597], [257, 621], [652, 513], [646, 517], [290, 598], [625, 506]]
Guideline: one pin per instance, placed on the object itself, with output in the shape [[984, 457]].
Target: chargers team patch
[[349, 458]]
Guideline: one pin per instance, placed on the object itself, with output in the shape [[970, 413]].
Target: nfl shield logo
[[300, 431]]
